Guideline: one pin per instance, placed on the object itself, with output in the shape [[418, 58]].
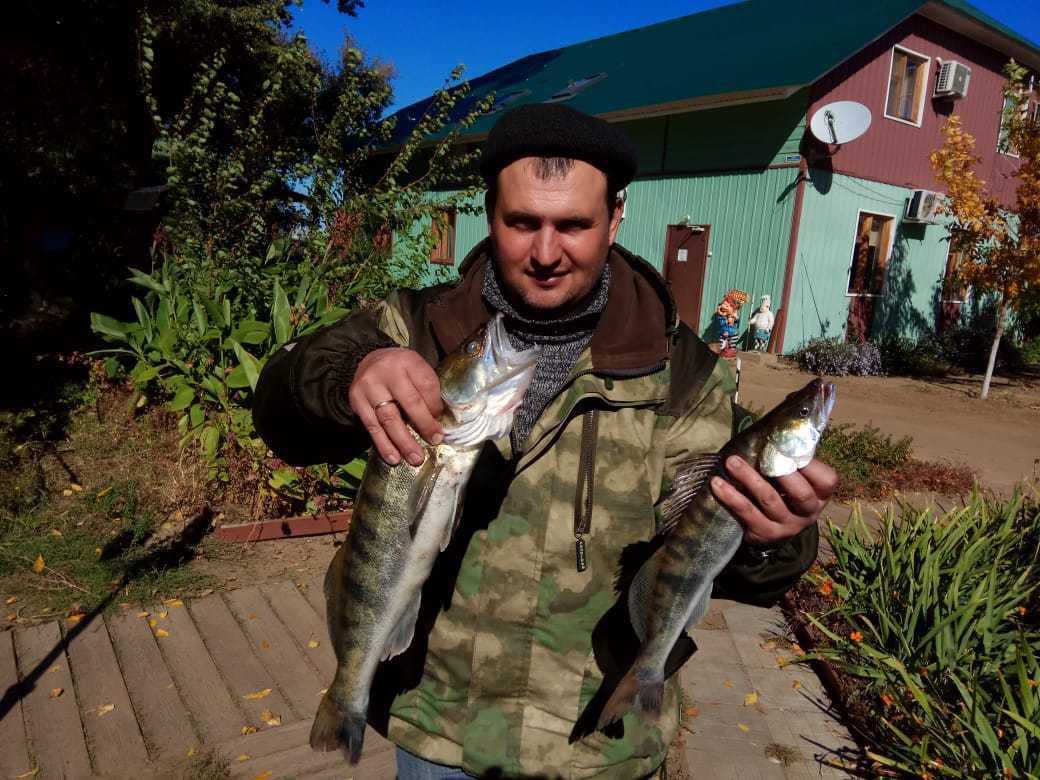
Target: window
[[906, 86], [576, 86], [953, 288], [1003, 144], [870, 254], [443, 252]]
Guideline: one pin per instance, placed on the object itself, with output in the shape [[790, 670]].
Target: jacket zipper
[[583, 495]]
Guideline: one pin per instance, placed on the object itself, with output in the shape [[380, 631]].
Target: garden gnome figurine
[[761, 323], [727, 317]]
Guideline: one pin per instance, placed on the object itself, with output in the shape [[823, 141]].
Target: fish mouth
[[500, 352], [823, 404]]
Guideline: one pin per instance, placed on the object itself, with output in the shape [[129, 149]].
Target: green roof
[[758, 49]]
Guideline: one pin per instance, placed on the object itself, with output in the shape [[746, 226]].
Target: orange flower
[[1021, 610], [856, 636], [887, 700], [827, 587]]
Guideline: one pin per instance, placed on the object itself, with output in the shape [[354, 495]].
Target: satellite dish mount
[[840, 122]]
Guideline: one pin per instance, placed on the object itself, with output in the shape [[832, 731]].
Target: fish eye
[[804, 411], [472, 347]]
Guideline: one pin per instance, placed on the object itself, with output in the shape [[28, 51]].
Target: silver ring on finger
[[383, 403]]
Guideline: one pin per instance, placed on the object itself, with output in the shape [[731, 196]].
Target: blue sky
[[425, 40]]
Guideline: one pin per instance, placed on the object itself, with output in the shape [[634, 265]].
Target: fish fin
[[422, 488], [401, 637], [334, 727], [773, 463], [639, 594], [680, 653], [690, 477], [621, 701]]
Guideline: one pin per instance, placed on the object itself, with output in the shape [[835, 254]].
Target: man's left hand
[[773, 512]]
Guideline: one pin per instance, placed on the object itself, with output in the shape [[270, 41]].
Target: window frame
[[943, 292], [890, 242], [925, 81], [1001, 136], [435, 254]]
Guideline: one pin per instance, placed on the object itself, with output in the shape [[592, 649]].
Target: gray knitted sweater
[[562, 341]]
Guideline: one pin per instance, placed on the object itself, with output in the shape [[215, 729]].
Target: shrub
[[834, 357], [933, 622], [902, 356]]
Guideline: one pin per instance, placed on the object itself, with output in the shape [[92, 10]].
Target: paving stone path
[[240, 673]]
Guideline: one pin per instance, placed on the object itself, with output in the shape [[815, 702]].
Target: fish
[[404, 517], [697, 536]]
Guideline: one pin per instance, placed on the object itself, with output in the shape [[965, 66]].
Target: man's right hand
[[390, 383]]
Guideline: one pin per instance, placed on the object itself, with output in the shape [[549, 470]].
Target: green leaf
[[196, 416], [111, 329], [147, 281], [280, 315], [201, 321], [248, 363], [143, 317], [210, 441], [182, 399], [251, 332]]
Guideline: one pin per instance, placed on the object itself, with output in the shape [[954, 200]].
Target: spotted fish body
[[699, 536], [404, 516]]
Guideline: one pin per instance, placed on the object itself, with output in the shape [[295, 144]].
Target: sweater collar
[[638, 294]]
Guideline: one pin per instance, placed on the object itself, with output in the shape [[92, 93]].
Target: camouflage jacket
[[502, 672]]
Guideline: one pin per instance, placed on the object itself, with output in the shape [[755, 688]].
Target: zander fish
[[403, 518], [698, 536]]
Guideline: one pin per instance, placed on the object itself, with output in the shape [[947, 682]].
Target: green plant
[[934, 616], [834, 357], [903, 356]]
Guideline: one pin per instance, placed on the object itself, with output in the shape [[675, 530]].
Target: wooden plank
[[14, 746], [161, 714], [277, 651], [285, 527], [234, 657], [304, 624], [214, 712], [108, 717], [293, 763], [314, 592], [52, 724]]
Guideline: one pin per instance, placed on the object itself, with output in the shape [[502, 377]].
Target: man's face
[[551, 236]]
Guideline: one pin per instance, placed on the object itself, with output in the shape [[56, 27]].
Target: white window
[[907, 81]]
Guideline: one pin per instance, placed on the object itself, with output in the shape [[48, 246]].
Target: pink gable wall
[[897, 153]]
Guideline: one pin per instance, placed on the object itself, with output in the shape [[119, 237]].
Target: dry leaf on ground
[[243, 757], [153, 622], [104, 709], [313, 643], [11, 600], [743, 727], [143, 614], [174, 602], [75, 617], [750, 698], [264, 775], [31, 773], [257, 694], [163, 615], [265, 645], [246, 730], [270, 718], [38, 565], [161, 632], [56, 692]]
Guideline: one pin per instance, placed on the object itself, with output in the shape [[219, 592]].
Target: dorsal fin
[[691, 475]]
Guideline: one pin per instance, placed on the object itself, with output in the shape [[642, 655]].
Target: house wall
[[830, 212], [896, 152]]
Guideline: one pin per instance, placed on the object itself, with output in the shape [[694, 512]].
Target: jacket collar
[[638, 296]]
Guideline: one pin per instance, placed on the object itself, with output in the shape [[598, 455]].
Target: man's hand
[[390, 383], [772, 514]]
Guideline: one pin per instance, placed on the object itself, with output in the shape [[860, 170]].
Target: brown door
[[867, 273], [685, 264]]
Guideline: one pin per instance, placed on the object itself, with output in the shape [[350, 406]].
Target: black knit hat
[[552, 130]]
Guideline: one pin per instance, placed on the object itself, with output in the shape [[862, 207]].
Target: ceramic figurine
[[727, 317], [761, 324]]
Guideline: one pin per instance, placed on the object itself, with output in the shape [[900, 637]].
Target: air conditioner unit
[[953, 80], [923, 206]]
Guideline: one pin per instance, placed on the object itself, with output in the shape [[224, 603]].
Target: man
[[503, 667]]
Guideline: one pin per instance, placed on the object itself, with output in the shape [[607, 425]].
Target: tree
[[1000, 244]]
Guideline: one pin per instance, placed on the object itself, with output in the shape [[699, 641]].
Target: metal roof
[[749, 51]]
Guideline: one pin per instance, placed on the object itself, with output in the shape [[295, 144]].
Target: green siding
[[829, 216]]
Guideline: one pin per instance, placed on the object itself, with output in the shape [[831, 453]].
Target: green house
[[739, 187]]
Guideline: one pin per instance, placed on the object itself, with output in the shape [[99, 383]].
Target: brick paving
[[133, 695]]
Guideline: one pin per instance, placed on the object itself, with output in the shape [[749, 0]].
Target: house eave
[[957, 21]]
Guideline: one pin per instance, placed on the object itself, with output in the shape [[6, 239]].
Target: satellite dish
[[840, 122]]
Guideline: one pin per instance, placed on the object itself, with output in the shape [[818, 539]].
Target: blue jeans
[[411, 767]]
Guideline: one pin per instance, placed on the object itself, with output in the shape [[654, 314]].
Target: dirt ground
[[998, 437]]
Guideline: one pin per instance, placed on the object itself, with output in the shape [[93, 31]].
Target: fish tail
[[334, 727], [639, 686], [650, 695]]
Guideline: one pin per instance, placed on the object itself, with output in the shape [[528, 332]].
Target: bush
[[902, 356], [834, 357], [933, 622]]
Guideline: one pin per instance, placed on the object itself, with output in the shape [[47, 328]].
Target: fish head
[[794, 428], [482, 384]]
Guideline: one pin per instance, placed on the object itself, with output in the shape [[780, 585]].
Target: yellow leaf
[[257, 694], [264, 775], [161, 632], [66, 492], [76, 488], [153, 622], [13, 616], [191, 751], [104, 709], [750, 698], [728, 683], [796, 684], [164, 614], [313, 643], [143, 614], [39, 565], [104, 492], [56, 533], [693, 712], [743, 728], [97, 551], [248, 730], [781, 661], [55, 693], [173, 603], [270, 718], [75, 617], [264, 644], [11, 600], [323, 691], [31, 773], [243, 757]]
